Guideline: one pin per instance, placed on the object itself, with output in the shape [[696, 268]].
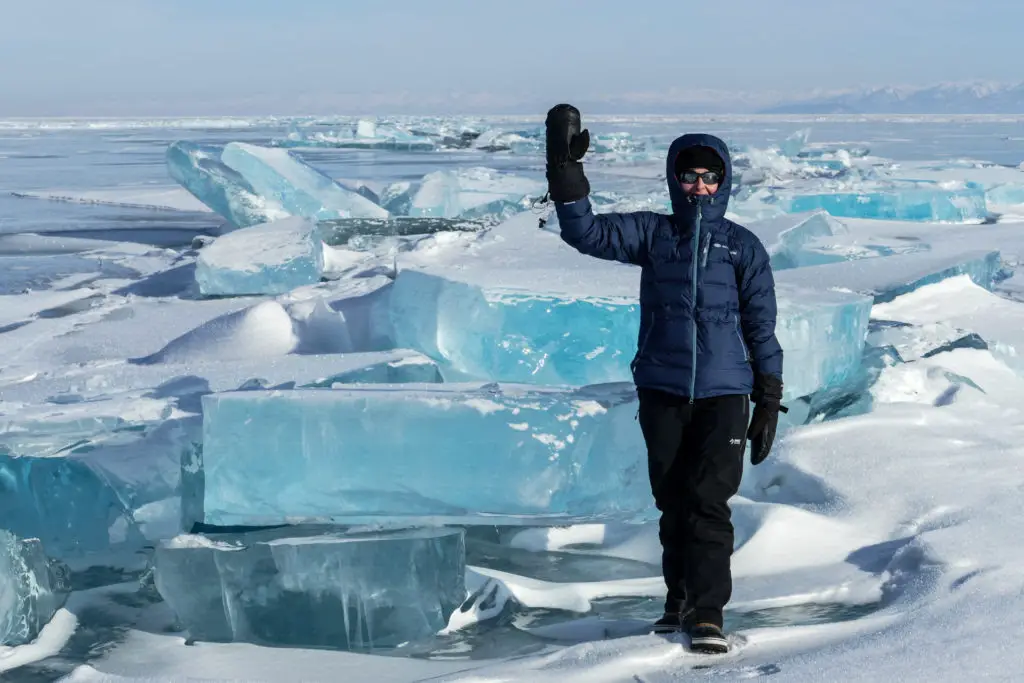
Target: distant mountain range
[[948, 98]]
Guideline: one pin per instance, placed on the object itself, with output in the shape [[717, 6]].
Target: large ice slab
[[822, 334], [32, 588], [1007, 194], [932, 202], [515, 336], [298, 187], [314, 587], [272, 258], [786, 238], [458, 451], [60, 500], [958, 302], [469, 193], [549, 338], [200, 170], [888, 277], [248, 184], [516, 304]]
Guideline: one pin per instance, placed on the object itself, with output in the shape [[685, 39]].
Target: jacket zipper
[[693, 303], [743, 344]]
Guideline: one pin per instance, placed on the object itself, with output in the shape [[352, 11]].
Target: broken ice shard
[[32, 588], [272, 258], [919, 201], [298, 188], [366, 452], [795, 143], [511, 335], [59, 500], [469, 193], [314, 587], [199, 169], [822, 333], [248, 185], [787, 237], [885, 278]]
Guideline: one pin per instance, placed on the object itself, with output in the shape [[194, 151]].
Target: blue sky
[[144, 57]]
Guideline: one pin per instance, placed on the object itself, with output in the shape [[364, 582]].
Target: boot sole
[[710, 646]]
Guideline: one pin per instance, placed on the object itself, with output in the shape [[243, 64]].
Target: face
[[699, 187]]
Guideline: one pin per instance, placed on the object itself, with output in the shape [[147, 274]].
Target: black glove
[[566, 145], [767, 398]]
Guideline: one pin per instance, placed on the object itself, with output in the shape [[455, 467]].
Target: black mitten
[[566, 145], [767, 398]]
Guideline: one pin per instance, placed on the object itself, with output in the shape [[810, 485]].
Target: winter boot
[[672, 620], [707, 638]]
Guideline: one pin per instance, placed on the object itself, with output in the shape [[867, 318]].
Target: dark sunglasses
[[709, 177]]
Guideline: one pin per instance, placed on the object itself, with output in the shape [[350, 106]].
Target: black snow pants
[[695, 457]]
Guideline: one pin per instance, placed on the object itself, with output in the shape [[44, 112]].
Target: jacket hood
[[713, 207]]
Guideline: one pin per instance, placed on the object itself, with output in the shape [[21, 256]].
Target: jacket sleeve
[[758, 308], [623, 237]]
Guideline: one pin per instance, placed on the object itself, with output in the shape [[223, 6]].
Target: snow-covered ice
[[876, 543], [271, 258]]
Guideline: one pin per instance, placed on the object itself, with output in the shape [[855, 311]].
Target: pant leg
[[714, 442], [663, 420]]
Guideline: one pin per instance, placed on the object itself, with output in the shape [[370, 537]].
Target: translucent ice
[[300, 189], [887, 277], [314, 587], [795, 143], [822, 333], [62, 501], [470, 193], [272, 258], [199, 169], [459, 451], [912, 202], [510, 335], [786, 236], [32, 589], [1006, 194]]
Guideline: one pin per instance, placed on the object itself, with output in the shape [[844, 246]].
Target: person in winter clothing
[[706, 348]]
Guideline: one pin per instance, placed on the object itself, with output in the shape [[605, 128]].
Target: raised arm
[[615, 237], [621, 237]]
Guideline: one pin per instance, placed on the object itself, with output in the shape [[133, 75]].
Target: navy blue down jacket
[[707, 295]]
